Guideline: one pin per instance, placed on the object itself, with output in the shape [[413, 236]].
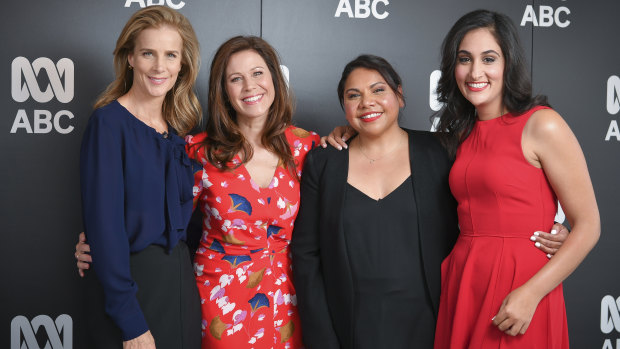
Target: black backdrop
[[66, 49]]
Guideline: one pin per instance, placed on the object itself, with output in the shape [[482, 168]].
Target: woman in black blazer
[[374, 225], [350, 296]]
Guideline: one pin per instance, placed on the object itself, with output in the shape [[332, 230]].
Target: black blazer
[[321, 269]]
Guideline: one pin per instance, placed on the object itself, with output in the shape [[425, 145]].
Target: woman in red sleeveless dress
[[511, 151]]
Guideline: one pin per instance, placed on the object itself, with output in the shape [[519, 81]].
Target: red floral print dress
[[243, 265]]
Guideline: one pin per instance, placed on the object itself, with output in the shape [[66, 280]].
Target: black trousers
[[167, 295]]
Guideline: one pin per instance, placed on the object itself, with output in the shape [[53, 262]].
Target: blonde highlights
[[181, 108]]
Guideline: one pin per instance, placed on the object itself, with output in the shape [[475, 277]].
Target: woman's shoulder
[[544, 122], [294, 133]]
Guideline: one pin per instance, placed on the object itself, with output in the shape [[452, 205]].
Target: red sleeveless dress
[[502, 200]]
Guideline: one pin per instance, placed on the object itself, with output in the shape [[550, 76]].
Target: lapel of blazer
[[422, 180]]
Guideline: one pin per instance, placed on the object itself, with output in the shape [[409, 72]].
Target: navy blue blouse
[[136, 191]]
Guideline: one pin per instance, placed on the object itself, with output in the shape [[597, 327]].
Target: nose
[[367, 100], [158, 65], [477, 70], [248, 84]]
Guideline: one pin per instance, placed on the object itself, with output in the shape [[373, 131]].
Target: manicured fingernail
[[536, 233], [493, 318], [339, 148], [533, 238], [548, 255], [553, 232], [537, 244]]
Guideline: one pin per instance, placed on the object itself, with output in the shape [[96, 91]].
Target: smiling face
[[249, 85], [479, 72], [370, 105], [156, 61]]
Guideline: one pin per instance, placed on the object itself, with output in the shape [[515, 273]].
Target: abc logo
[[21, 327], [25, 79], [22, 68], [547, 16], [613, 91], [362, 9], [142, 3], [610, 315]]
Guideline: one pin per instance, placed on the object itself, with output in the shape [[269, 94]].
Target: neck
[[252, 129], [147, 109], [486, 113]]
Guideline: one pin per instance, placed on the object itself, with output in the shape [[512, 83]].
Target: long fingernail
[[553, 232], [339, 148], [536, 233], [537, 244], [549, 255], [493, 318], [533, 238]]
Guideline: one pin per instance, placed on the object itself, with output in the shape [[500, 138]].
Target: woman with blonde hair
[[136, 182]]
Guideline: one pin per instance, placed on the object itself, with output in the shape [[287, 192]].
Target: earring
[[130, 67]]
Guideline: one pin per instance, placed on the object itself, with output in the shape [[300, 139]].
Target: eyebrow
[[257, 67], [484, 53], [371, 86]]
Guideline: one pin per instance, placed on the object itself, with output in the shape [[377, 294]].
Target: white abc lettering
[[155, 2], [432, 95], [374, 9], [613, 131], [609, 345], [63, 324], [547, 16], [22, 67], [610, 315], [344, 6], [363, 9], [613, 90], [43, 122]]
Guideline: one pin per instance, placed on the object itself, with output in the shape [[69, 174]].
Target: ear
[[401, 102], [130, 58]]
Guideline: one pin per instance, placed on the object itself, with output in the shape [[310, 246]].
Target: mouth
[[477, 86], [252, 99], [369, 117], [157, 81]]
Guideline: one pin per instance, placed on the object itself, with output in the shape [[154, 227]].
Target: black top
[[392, 308]]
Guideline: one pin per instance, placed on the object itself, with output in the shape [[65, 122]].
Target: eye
[[147, 53], [379, 90], [463, 59], [257, 73], [172, 55], [235, 79], [352, 95], [488, 59]]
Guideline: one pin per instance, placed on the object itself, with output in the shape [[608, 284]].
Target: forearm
[[578, 244]]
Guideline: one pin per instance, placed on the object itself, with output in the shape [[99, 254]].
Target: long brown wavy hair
[[458, 115], [180, 108], [224, 139]]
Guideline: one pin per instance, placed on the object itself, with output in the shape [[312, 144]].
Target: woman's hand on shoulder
[[338, 137], [82, 254], [143, 341]]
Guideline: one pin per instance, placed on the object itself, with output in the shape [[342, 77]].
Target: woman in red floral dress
[[248, 192]]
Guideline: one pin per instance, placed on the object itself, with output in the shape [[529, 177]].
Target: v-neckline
[[252, 181], [385, 197]]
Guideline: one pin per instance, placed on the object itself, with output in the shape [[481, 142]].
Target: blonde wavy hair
[[181, 108]]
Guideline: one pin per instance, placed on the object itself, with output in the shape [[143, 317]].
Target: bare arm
[[549, 143]]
